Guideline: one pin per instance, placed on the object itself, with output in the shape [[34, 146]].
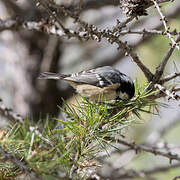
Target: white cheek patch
[[123, 96], [101, 83]]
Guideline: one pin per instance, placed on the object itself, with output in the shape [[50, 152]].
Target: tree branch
[[152, 150], [160, 69], [169, 77], [146, 32], [164, 20]]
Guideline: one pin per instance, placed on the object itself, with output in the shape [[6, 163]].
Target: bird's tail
[[50, 75]]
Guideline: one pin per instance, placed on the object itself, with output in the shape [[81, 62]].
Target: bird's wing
[[84, 77], [96, 77]]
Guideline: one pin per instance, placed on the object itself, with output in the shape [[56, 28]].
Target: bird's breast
[[97, 94]]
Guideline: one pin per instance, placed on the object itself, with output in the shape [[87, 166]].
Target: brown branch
[[136, 7], [170, 94], [171, 14], [148, 74], [44, 27], [40, 26], [164, 20], [123, 24], [43, 4], [162, 94], [169, 77], [176, 89], [160, 69], [146, 32], [153, 150]]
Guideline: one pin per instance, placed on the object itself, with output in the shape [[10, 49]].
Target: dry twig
[[164, 20], [138, 148]]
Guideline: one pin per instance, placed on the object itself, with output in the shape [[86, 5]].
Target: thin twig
[[160, 69], [152, 150], [169, 77], [40, 26], [54, 15], [164, 20], [148, 74], [162, 94], [123, 24], [146, 31], [169, 94]]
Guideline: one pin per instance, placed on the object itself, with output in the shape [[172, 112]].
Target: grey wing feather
[[86, 78], [97, 77]]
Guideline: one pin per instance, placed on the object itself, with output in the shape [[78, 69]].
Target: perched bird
[[101, 84]]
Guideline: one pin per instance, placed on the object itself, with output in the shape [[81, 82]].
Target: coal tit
[[105, 82]]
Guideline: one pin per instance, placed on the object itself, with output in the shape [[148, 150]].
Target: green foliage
[[87, 130]]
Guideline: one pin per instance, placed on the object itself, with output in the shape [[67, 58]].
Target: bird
[[99, 84]]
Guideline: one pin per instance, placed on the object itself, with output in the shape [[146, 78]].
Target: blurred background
[[24, 54]]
